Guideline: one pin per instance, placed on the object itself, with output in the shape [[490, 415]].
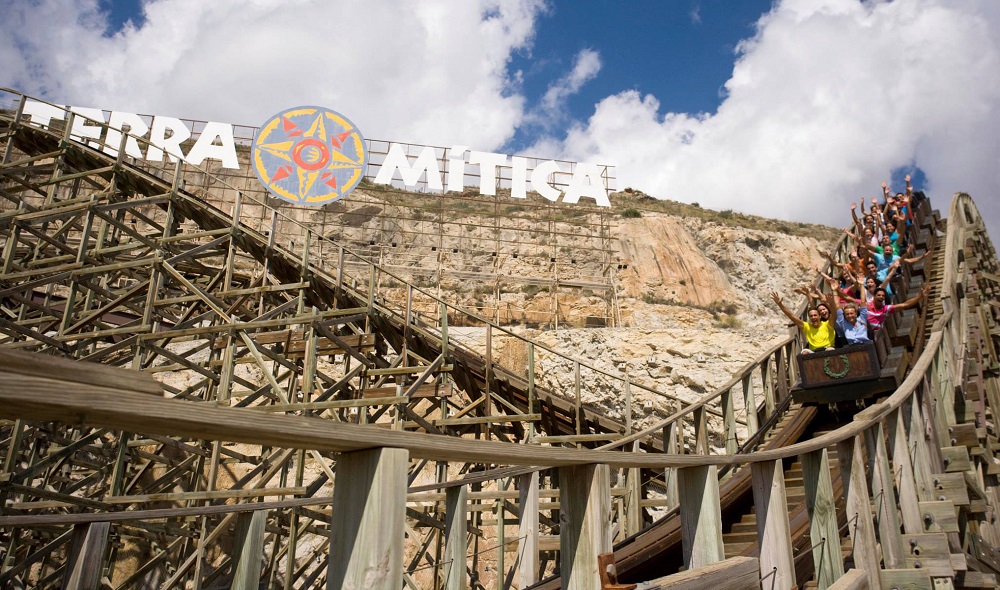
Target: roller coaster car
[[853, 372]]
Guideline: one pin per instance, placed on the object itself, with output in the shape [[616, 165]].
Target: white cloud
[[426, 72], [823, 102], [695, 14], [551, 111]]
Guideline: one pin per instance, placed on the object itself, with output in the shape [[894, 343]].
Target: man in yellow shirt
[[820, 334]]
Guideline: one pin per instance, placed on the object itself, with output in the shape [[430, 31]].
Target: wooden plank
[[585, 524], [956, 459], [884, 498], [366, 529], [43, 365], [902, 468], [773, 533], [963, 434], [41, 399], [424, 391], [906, 579], [822, 508], [939, 517], [701, 516], [456, 542], [248, 550], [853, 579], [528, 546], [951, 486], [858, 509], [86, 556], [929, 552], [735, 573]]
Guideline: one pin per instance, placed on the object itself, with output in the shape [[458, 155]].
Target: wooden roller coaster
[[195, 399]]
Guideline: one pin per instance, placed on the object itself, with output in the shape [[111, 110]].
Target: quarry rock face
[[666, 262]]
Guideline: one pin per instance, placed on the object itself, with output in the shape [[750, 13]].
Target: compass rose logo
[[309, 155]]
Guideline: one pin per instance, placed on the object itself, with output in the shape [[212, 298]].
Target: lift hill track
[[86, 236]]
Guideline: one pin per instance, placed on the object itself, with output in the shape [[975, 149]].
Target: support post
[[248, 548], [366, 530], [822, 509], [456, 538], [633, 497], [527, 552], [701, 515], [902, 467], [773, 533], [86, 557], [585, 525], [884, 498], [858, 509], [671, 447]]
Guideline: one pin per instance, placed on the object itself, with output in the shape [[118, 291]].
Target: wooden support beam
[[902, 468], [822, 507], [527, 550], [884, 498], [858, 508], [585, 526], [773, 533], [248, 550], [86, 556], [701, 515], [633, 498], [366, 529], [456, 542], [854, 579], [735, 573]]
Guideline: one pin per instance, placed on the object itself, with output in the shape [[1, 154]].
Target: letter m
[[396, 159]]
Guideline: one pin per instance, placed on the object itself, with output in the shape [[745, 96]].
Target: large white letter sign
[[396, 160], [206, 147], [488, 164], [160, 141], [41, 114], [85, 128], [518, 177], [586, 182], [456, 168], [540, 179], [124, 122]]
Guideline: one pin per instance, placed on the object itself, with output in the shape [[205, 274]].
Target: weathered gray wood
[[86, 556], [902, 468], [248, 550], [527, 550], [585, 527], [735, 573], [366, 529], [729, 421], [858, 507], [750, 404], [884, 498], [633, 498], [853, 579], [701, 516], [822, 508], [671, 446], [700, 431], [773, 533], [456, 538]]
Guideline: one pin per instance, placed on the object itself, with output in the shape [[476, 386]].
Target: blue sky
[[789, 109], [678, 50]]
